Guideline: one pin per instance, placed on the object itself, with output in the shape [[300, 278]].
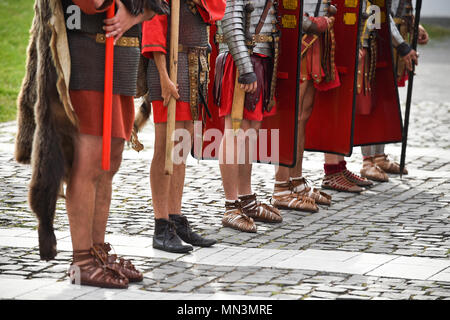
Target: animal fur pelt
[[46, 120]]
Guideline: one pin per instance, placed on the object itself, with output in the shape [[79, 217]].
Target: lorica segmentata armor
[[241, 35]]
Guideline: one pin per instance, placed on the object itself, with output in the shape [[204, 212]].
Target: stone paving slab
[[174, 279], [382, 265]]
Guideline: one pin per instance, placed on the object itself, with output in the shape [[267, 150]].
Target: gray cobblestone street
[[390, 242]]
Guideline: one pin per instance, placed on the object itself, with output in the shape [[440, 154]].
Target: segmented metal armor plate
[[234, 26], [400, 8], [193, 33]]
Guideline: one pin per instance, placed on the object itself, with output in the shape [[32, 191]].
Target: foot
[[338, 182], [122, 265], [359, 181], [236, 219], [284, 198], [90, 269], [165, 238], [388, 165], [259, 211], [372, 171], [300, 186], [185, 232]]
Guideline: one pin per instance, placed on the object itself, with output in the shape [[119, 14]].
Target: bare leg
[[164, 237], [177, 178], [333, 158], [284, 173], [104, 193], [245, 170], [81, 190], [159, 181], [229, 171], [307, 94]]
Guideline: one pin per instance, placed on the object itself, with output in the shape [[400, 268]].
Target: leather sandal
[[236, 219], [388, 165], [372, 171], [337, 181], [284, 198], [301, 187], [90, 269], [259, 211], [122, 265], [359, 181]]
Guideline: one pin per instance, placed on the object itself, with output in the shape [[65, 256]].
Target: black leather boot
[[165, 238], [186, 234]]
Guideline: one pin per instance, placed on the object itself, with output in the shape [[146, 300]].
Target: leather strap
[[263, 17], [316, 12]]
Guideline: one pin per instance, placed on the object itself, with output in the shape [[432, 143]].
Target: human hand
[[250, 88], [410, 58], [123, 20], [423, 36], [168, 90]]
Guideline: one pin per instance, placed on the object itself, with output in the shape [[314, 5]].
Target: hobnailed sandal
[[90, 269], [338, 182], [388, 165], [284, 198], [122, 265], [259, 211], [359, 181], [301, 187], [372, 171], [236, 219]]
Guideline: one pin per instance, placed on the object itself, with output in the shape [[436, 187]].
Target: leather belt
[[259, 38], [186, 49], [122, 42]]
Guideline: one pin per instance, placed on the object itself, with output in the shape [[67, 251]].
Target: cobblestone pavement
[[401, 219]]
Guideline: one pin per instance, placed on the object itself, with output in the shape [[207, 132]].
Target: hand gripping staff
[[174, 35]]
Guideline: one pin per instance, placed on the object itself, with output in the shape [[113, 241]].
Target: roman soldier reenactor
[[376, 97], [245, 69], [192, 87], [376, 163], [318, 74], [60, 124]]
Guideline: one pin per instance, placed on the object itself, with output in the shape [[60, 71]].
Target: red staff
[[108, 95]]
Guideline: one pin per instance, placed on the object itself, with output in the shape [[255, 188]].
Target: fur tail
[[140, 121], [143, 115]]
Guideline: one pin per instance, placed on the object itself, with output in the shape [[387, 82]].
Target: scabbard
[[273, 82], [237, 109]]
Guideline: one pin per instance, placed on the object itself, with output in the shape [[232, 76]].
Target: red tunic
[[154, 39], [88, 105], [226, 104]]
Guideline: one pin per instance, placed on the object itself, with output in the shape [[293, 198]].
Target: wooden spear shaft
[[108, 95], [171, 109]]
